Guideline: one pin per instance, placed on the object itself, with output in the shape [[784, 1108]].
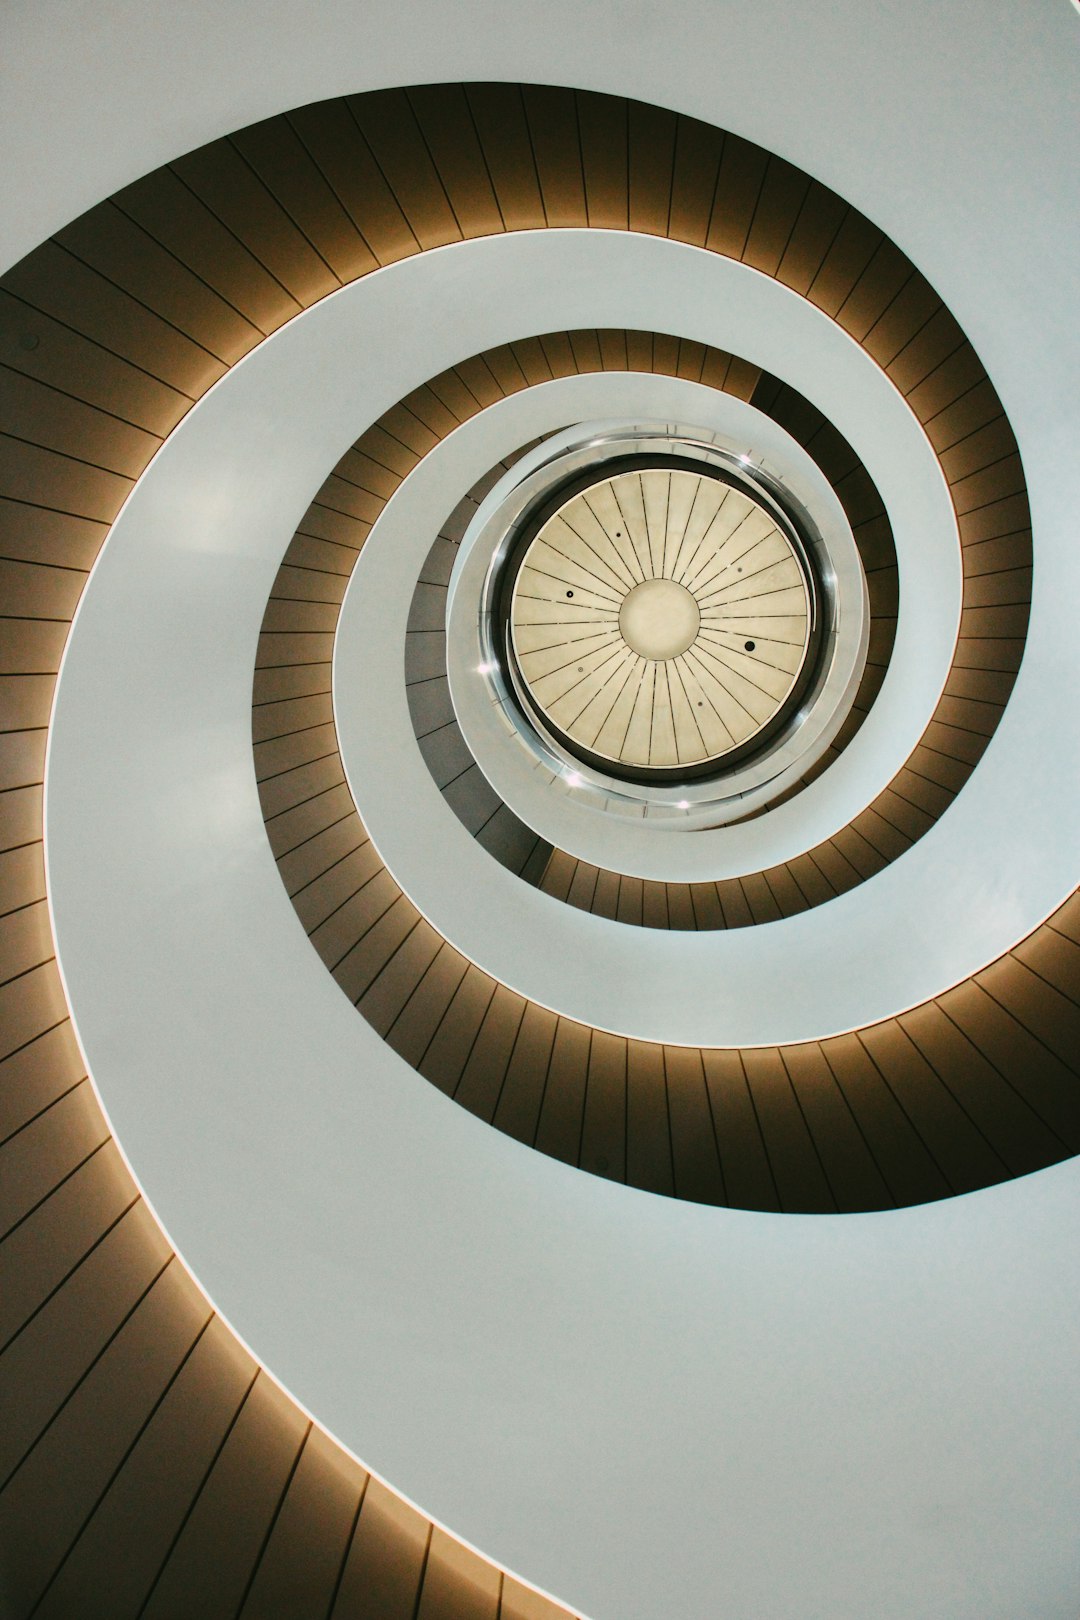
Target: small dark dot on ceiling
[[29, 340], [750, 645], [569, 593]]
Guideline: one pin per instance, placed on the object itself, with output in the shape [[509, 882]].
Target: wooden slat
[[127, 1539], [215, 1556], [384, 1567], [90, 1437]]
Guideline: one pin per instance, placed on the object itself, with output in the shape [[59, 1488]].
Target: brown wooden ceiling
[[150, 1468]]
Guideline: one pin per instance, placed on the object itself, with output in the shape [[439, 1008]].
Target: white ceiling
[[764, 1416]]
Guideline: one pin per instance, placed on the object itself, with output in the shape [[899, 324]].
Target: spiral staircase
[[668, 1199]]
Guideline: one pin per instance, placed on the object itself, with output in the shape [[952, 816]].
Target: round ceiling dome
[[661, 618]]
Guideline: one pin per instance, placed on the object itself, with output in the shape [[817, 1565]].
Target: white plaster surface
[[617, 1395], [651, 1408]]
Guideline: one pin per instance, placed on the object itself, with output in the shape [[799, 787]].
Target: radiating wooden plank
[[517, 1111], [387, 123], [959, 1144], [168, 209], [650, 160], [41, 1368], [45, 1505], [604, 1125], [855, 1181], [52, 420], [332, 137], [69, 291], [449, 131], [559, 1127], [220, 177], [48, 1149], [394, 984], [794, 1159], [37, 1256], [458, 1584], [697, 1168], [778, 206], [216, 1554], [903, 1158], [422, 1015], [448, 1051], [1022, 1139], [275, 153], [484, 1075], [385, 1562], [117, 246], [748, 1177], [36, 1075], [112, 1565], [698, 149], [553, 128], [299, 1568], [603, 126]]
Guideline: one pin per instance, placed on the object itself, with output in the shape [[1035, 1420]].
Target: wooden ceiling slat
[[735, 200], [91, 1436], [518, 1093], [1005, 1116], [494, 1051], [457, 1583], [344, 876], [48, 1247], [302, 1561], [604, 1125], [777, 208], [696, 1161], [604, 134], [218, 175], [876, 292], [34, 1076], [551, 112], [61, 286], [562, 1109], [210, 1565], [276, 154], [422, 1014], [384, 1567], [387, 931], [908, 1168], [146, 1505], [49, 1149], [650, 158], [961, 1148], [395, 984], [118, 248], [849, 253], [389, 126], [794, 1158], [168, 207], [849, 1166], [41, 1368]]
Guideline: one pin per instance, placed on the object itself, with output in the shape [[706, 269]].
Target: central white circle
[[659, 619]]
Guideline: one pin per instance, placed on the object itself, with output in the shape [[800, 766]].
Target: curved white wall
[[766, 1416]]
